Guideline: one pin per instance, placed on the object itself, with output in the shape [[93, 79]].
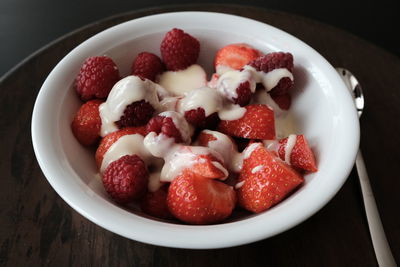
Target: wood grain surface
[[37, 228]]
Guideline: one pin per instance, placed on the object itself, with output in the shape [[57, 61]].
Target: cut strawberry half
[[235, 56], [301, 155], [265, 180], [257, 123], [196, 200]]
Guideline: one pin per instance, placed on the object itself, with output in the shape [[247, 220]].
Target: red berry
[[160, 124], [197, 200], [197, 117], [235, 56], [111, 138], [273, 61], [257, 123], [96, 78], [87, 123], [155, 203], [283, 101], [179, 50], [266, 180], [136, 114], [147, 65], [302, 156], [243, 94], [126, 178]]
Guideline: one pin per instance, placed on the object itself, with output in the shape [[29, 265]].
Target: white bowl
[[322, 106]]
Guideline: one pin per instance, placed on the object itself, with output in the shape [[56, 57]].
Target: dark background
[[27, 25]]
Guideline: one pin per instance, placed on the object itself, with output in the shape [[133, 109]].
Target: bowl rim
[[185, 236]]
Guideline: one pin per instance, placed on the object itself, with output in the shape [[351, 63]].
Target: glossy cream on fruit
[[180, 82], [231, 80], [124, 93], [291, 141]]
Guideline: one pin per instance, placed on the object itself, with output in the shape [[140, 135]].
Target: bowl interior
[[321, 108]]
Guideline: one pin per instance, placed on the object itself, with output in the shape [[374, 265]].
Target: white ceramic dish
[[322, 106]]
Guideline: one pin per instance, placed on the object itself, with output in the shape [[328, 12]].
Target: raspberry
[[96, 78], [273, 61], [165, 125], [197, 117], [136, 114], [87, 123], [243, 94], [147, 65], [179, 50], [126, 178]]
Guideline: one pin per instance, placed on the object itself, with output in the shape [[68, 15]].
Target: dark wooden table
[[38, 228]]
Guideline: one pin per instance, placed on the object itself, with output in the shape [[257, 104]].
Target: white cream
[[250, 149], [124, 93], [227, 149], [183, 157], [126, 145], [154, 182], [203, 97], [230, 81], [291, 142], [257, 169], [271, 78], [169, 103], [271, 145], [158, 145], [221, 69], [180, 82], [239, 185], [231, 112]]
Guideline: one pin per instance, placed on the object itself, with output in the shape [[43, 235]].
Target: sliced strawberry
[[235, 56], [283, 101], [155, 203], [111, 138], [257, 123], [301, 156], [266, 180], [195, 200], [207, 166], [87, 123]]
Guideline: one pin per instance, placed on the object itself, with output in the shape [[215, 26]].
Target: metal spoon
[[382, 250]]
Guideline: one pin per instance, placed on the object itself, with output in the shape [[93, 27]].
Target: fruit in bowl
[[145, 136], [317, 102]]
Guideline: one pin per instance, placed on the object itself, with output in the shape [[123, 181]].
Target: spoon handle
[[379, 241]]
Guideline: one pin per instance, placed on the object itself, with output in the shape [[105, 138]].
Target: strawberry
[[196, 200], [235, 56], [155, 203], [276, 60], [86, 124], [96, 78], [302, 156], [147, 66], [126, 178], [204, 138], [111, 138], [283, 101], [179, 50], [205, 167], [257, 123], [266, 180]]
